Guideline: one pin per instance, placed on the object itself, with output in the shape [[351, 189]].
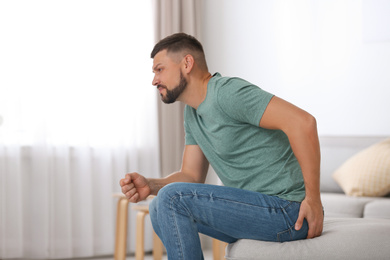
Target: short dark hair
[[177, 42], [181, 42]]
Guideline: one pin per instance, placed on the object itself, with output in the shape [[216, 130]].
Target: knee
[[171, 191], [153, 213], [162, 202], [164, 196], [172, 196], [153, 208]]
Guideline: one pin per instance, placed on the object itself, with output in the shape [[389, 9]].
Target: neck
[[196, 90]]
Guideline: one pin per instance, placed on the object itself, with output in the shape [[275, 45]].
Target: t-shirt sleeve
[[243, 101], [189, 138]]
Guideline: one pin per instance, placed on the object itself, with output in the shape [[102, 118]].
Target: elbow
[[310, 121], [309, 125], [301, 126]]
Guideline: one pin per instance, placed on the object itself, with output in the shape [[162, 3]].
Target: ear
[[188, 63]]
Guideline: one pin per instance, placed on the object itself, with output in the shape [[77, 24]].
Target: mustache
[[161, 86]]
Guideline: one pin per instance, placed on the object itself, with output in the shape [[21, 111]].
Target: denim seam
[[283, 232], [176, 228], [289, 227], [232, 201], [286, 216], [174, 197]]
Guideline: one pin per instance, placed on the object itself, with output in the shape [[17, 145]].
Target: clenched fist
[[135, 187]]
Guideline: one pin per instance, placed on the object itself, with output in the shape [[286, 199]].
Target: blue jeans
[[182, 210]]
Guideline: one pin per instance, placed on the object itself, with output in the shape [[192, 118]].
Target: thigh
[[229, 213]]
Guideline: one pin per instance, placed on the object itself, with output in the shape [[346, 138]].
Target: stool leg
[[121, 229], [140, 234], [218, 249], [157, 247]]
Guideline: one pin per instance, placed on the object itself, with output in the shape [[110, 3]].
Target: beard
[[172, 95]]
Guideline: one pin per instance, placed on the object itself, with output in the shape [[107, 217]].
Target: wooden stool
[[143, 210], [121, 227], [121, 231]]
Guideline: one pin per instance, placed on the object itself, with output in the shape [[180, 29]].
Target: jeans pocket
[[284, 236], [291, 234]]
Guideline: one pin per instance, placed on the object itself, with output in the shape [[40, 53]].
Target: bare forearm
[[305, 145], [306, 148], [157, 184]]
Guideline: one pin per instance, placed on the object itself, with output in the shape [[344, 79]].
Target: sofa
[[355, 186]]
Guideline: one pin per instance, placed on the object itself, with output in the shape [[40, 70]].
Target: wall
[[331, 58]]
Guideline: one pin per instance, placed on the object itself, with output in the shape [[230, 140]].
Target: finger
[[130, 193], [134, 198], [319, 232], [299, 222], [127, 188], [314, 230], [319, 227], [310, 234], [125, 180], [128, 178]]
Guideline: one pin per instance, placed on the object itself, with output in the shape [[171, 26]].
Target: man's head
[[179, 45], [174, 58]]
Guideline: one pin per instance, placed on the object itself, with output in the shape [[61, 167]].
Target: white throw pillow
[[367, 173]]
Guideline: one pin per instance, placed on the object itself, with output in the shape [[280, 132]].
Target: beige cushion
[[367, 173]]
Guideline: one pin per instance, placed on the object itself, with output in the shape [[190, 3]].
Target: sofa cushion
[[379, 208], [343, 206], [342, 238], [367, 173]]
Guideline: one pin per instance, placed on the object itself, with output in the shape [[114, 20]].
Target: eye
[[158, 70]]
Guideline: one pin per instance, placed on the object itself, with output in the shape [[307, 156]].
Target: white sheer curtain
[[78, 112]]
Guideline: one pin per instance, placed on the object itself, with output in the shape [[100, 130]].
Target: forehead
[[161, 57], [165, 58]]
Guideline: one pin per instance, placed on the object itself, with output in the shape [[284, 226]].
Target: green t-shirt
[[244, 155]]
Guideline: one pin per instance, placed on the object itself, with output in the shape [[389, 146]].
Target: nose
[[155, 81]]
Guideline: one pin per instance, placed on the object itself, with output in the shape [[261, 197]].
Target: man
[[264, 149]]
